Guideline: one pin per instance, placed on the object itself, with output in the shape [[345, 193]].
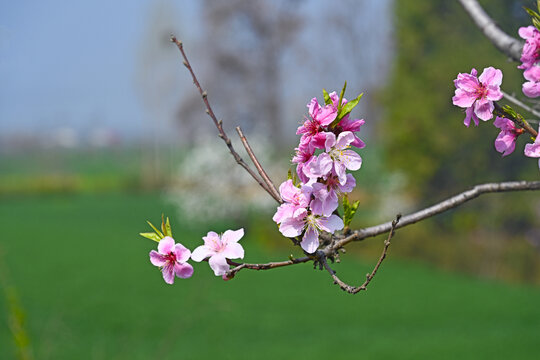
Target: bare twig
[[441, 207], [522, 105], [356, 289], [219, 123], [505, 43], [269, 184], [271, 265]]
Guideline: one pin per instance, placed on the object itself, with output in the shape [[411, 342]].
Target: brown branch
[[510, 46], [438, 208], [271, 265], [218, 123], [269, 184], [356, 289]]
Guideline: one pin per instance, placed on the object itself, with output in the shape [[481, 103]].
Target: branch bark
[[438, 208], [219, 123], [509, 45]]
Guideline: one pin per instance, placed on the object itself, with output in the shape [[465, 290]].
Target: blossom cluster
[[322, 159], [172, 258], [530, 60]]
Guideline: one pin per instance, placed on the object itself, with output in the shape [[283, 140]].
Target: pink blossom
[[341, 157], [313, 225], [218, 249], [505, 142], [478, 93], [326, 194], [313, 132], [346, 124], [533, 150], [302, 156], [296, 201], [172, 259], [531, 88], [531, 50]]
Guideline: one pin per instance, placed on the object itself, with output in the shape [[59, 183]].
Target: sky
[[75, 64]]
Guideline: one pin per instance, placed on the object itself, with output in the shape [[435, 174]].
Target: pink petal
[[283, 211], [166, 245], [310, 241], [319, 167], [231, 237], [344, 139], [532, 74], [327, 114], [218, 263], [168, 273], [201, 253], [157, 259], [505, 143], [349, 184], [331, 223], [351, 160], [531, 89], [291, 227], [467, 82], [211, 239], [233, 251], [288, 191], [469, 114], [533, 150], [183, 271], [330, 141], [484, 109], [312, 106], [527, 32], [182, 253], [491, 77], [494, 93], [463, 99]]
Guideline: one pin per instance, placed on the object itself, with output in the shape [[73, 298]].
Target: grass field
[[89, 292]]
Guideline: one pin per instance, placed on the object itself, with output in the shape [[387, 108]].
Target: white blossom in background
[[209, 184]]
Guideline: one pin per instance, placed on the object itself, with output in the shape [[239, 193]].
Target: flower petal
[[463, 98], [231, 237], [218, 263], [201, 253], [168, 273], [157, 259], [166, 245], [182, 253], [233, 251], [484, 110], [344, 139], [491, 77], [310, 241], [183, 271], [330, 224], [351, 160], [291, 227]]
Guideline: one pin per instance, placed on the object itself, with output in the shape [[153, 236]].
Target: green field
[[89, 292]]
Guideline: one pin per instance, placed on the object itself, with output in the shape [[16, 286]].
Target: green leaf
[[349, 210], [327, 100], [159, 233], [168, 228], [341, 95], [345, 110], [289, 174], [508, 109], [151, 236]]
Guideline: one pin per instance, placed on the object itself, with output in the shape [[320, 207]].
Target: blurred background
[[101, 129]]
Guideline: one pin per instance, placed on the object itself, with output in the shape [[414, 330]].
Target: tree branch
[[441, 207], [270, 185], [518, 120], [352, 289], [521, 104], [510, 46], [219, 123]]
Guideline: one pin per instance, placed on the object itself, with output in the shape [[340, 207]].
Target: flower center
[[481, 91], [171, 258]]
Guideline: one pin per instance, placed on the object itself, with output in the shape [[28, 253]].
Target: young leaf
[[159, 233], [345, 110], [168, 228], [341, 95], [349, 210], [289, 174], [151, 236], [327, 100]]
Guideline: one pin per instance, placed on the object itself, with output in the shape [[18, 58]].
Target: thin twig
[[438, 208], [270, 185], [524, 106], [271, 265], [510, 46], [218, 123], [356, 289]]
